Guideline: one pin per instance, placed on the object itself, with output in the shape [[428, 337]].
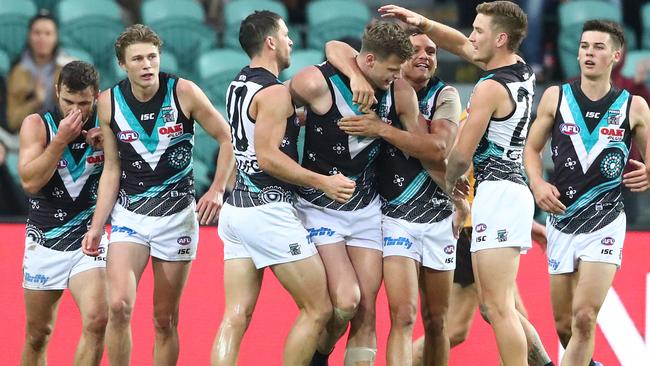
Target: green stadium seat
[[5, 63], [216, 69], [72, 53], [236, 11], [49, 5], [632, 58], [335, 19], [92, 26], [631, 40], [14, 19], [579, 11], [205, 146], [645, 25], [202, 177], [568, 43], [181, 26], [301, 59]]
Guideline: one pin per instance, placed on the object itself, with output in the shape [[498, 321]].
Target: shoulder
[[32, 126], [277, 94], [449, 93], [639, 110], [490, 89], [552, 93], [309, 78], [186, 87]]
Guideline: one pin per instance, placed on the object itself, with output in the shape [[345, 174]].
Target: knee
[[403, 315], [492, 311], [38, 335], [482, 309], [563, 326], [584, 321], [120, 311], [95, 323], [458, 336], [165, 321], [239, 317], [435, 324], [346, 306]]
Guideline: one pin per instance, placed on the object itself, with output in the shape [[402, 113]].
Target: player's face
[[43, 37], [423, 64], [142, 63], [483, 38], [597, 54], [382, 73], [284, 45], [83, 100]]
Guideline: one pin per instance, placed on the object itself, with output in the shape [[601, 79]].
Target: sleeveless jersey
[[59, 214], [253, 186], [499, 153], [155, 142], [329, 150], [590, 144], [409, 192]]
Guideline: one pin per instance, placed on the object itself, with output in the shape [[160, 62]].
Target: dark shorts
[[464, 275]]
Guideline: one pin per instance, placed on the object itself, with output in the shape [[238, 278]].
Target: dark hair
[[137, 33], [384, 39], [255, 28], [77, 76], [614, 30], [508, 18]]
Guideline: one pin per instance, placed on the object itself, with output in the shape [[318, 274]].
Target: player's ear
[[270, 42], [370, 59]]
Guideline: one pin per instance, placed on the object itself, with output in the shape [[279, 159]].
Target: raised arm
[[273, 106], [197, 104], [546, 195], [37, 159], [109, 183], [444, 36], [343, 57]]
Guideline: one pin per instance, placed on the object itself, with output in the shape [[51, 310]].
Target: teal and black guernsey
[[329, 150], [155, 141], [253, 186], [59, 214], [590, 145], [409, 192], [499, 153]]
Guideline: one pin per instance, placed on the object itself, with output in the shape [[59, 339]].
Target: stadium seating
[[5, 63], [49, 5], [632, 58], [236, 11], [579, 11], [645, 23], [181, 26], [92, 26], [216, 69], [14, 19], [567, 47], [301, 59], [335, 19], [71, 53]]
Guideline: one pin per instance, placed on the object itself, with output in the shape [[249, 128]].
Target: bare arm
[[484, 102], [637, 179], [38, 162], [343, 57], [444, 36], [199, 107], [546, 195], [273, 106], [109, 183]]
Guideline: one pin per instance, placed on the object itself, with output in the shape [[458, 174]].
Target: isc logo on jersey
[[128, 136], [171, 131], [569, 129], [612, 134]]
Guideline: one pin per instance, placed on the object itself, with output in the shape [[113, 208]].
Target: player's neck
[[418, 85], [266, 63], [144, 94], [595, 89], [501, 60]]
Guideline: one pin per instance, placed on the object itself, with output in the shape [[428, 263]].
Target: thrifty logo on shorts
[[38, 278], [401, 241], [553, 263], [323, 231], [123, 229]]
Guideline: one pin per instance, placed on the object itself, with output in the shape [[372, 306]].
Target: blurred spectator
[[30, 86], [12, 199]]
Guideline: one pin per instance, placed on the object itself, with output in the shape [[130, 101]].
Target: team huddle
[[381, 193]]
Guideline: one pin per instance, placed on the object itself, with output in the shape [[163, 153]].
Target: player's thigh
[[342, 281], [594, 281], [242, 284], [41, 307], [125, 263], [401, 283], [169, 280], [463, 302], [88, 289], [436, 290], [305, 280], [562, 292], [367, 265], [495, 271]]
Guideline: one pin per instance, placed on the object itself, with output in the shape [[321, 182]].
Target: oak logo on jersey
[[613, 134], [128, 136], [569, 129], [95, 159], [171, 131]]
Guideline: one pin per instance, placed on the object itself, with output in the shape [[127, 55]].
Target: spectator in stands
[[30, 86], [12, 199]]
